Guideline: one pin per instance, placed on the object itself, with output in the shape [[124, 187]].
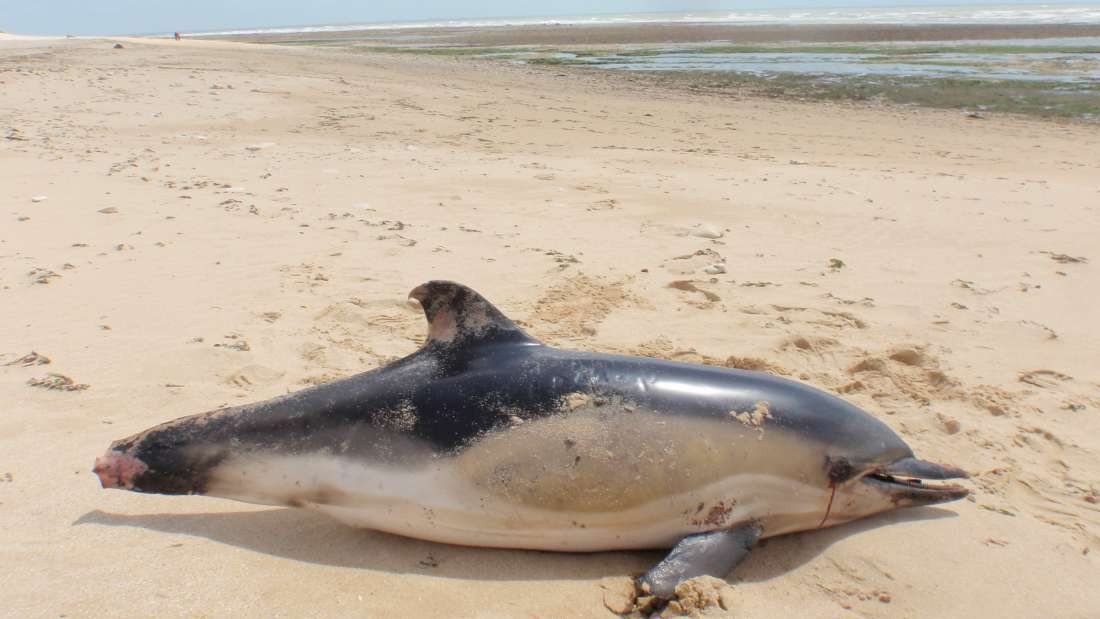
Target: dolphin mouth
[[911, 491], [916, 489], [910, 481], [921, 469]]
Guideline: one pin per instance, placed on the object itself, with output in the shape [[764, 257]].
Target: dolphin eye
[[838, 469]]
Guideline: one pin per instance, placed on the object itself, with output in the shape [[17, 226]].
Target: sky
[[83, 17]]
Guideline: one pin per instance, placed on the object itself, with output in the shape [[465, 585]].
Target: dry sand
[[198, 224]]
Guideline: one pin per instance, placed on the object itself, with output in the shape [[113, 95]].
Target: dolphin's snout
[[118, 470], [905, 482], [921, 469]]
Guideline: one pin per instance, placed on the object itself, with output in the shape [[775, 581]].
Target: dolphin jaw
[[905, 491], [906, 482], [884, 487], [921, 469]]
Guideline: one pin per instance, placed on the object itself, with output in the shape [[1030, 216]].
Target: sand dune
[[200, 224]]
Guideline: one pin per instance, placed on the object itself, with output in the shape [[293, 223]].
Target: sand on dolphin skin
[[186, 226]]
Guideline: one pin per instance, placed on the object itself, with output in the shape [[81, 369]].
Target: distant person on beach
[[178, 37]]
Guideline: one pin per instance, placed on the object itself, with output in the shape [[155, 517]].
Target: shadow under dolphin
[[321, 540]]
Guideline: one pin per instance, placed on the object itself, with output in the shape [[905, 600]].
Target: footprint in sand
[[811, 344], [813, 316], [663, 348], [254, 375], [907, 372], [709, 298], [1044, 379], [574, 307]]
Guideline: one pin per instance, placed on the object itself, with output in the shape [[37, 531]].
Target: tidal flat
[[1050, 71], [1058, 79]]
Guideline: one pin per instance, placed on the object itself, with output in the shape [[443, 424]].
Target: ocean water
[[987, 14]]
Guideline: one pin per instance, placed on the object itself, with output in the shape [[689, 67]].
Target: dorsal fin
[[458, 316]]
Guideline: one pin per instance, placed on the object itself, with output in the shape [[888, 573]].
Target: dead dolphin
[[486, 437]]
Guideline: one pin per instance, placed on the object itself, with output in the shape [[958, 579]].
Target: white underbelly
[[435, 502]]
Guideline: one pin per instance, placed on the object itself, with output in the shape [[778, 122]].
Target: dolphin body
[[486, 437]]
